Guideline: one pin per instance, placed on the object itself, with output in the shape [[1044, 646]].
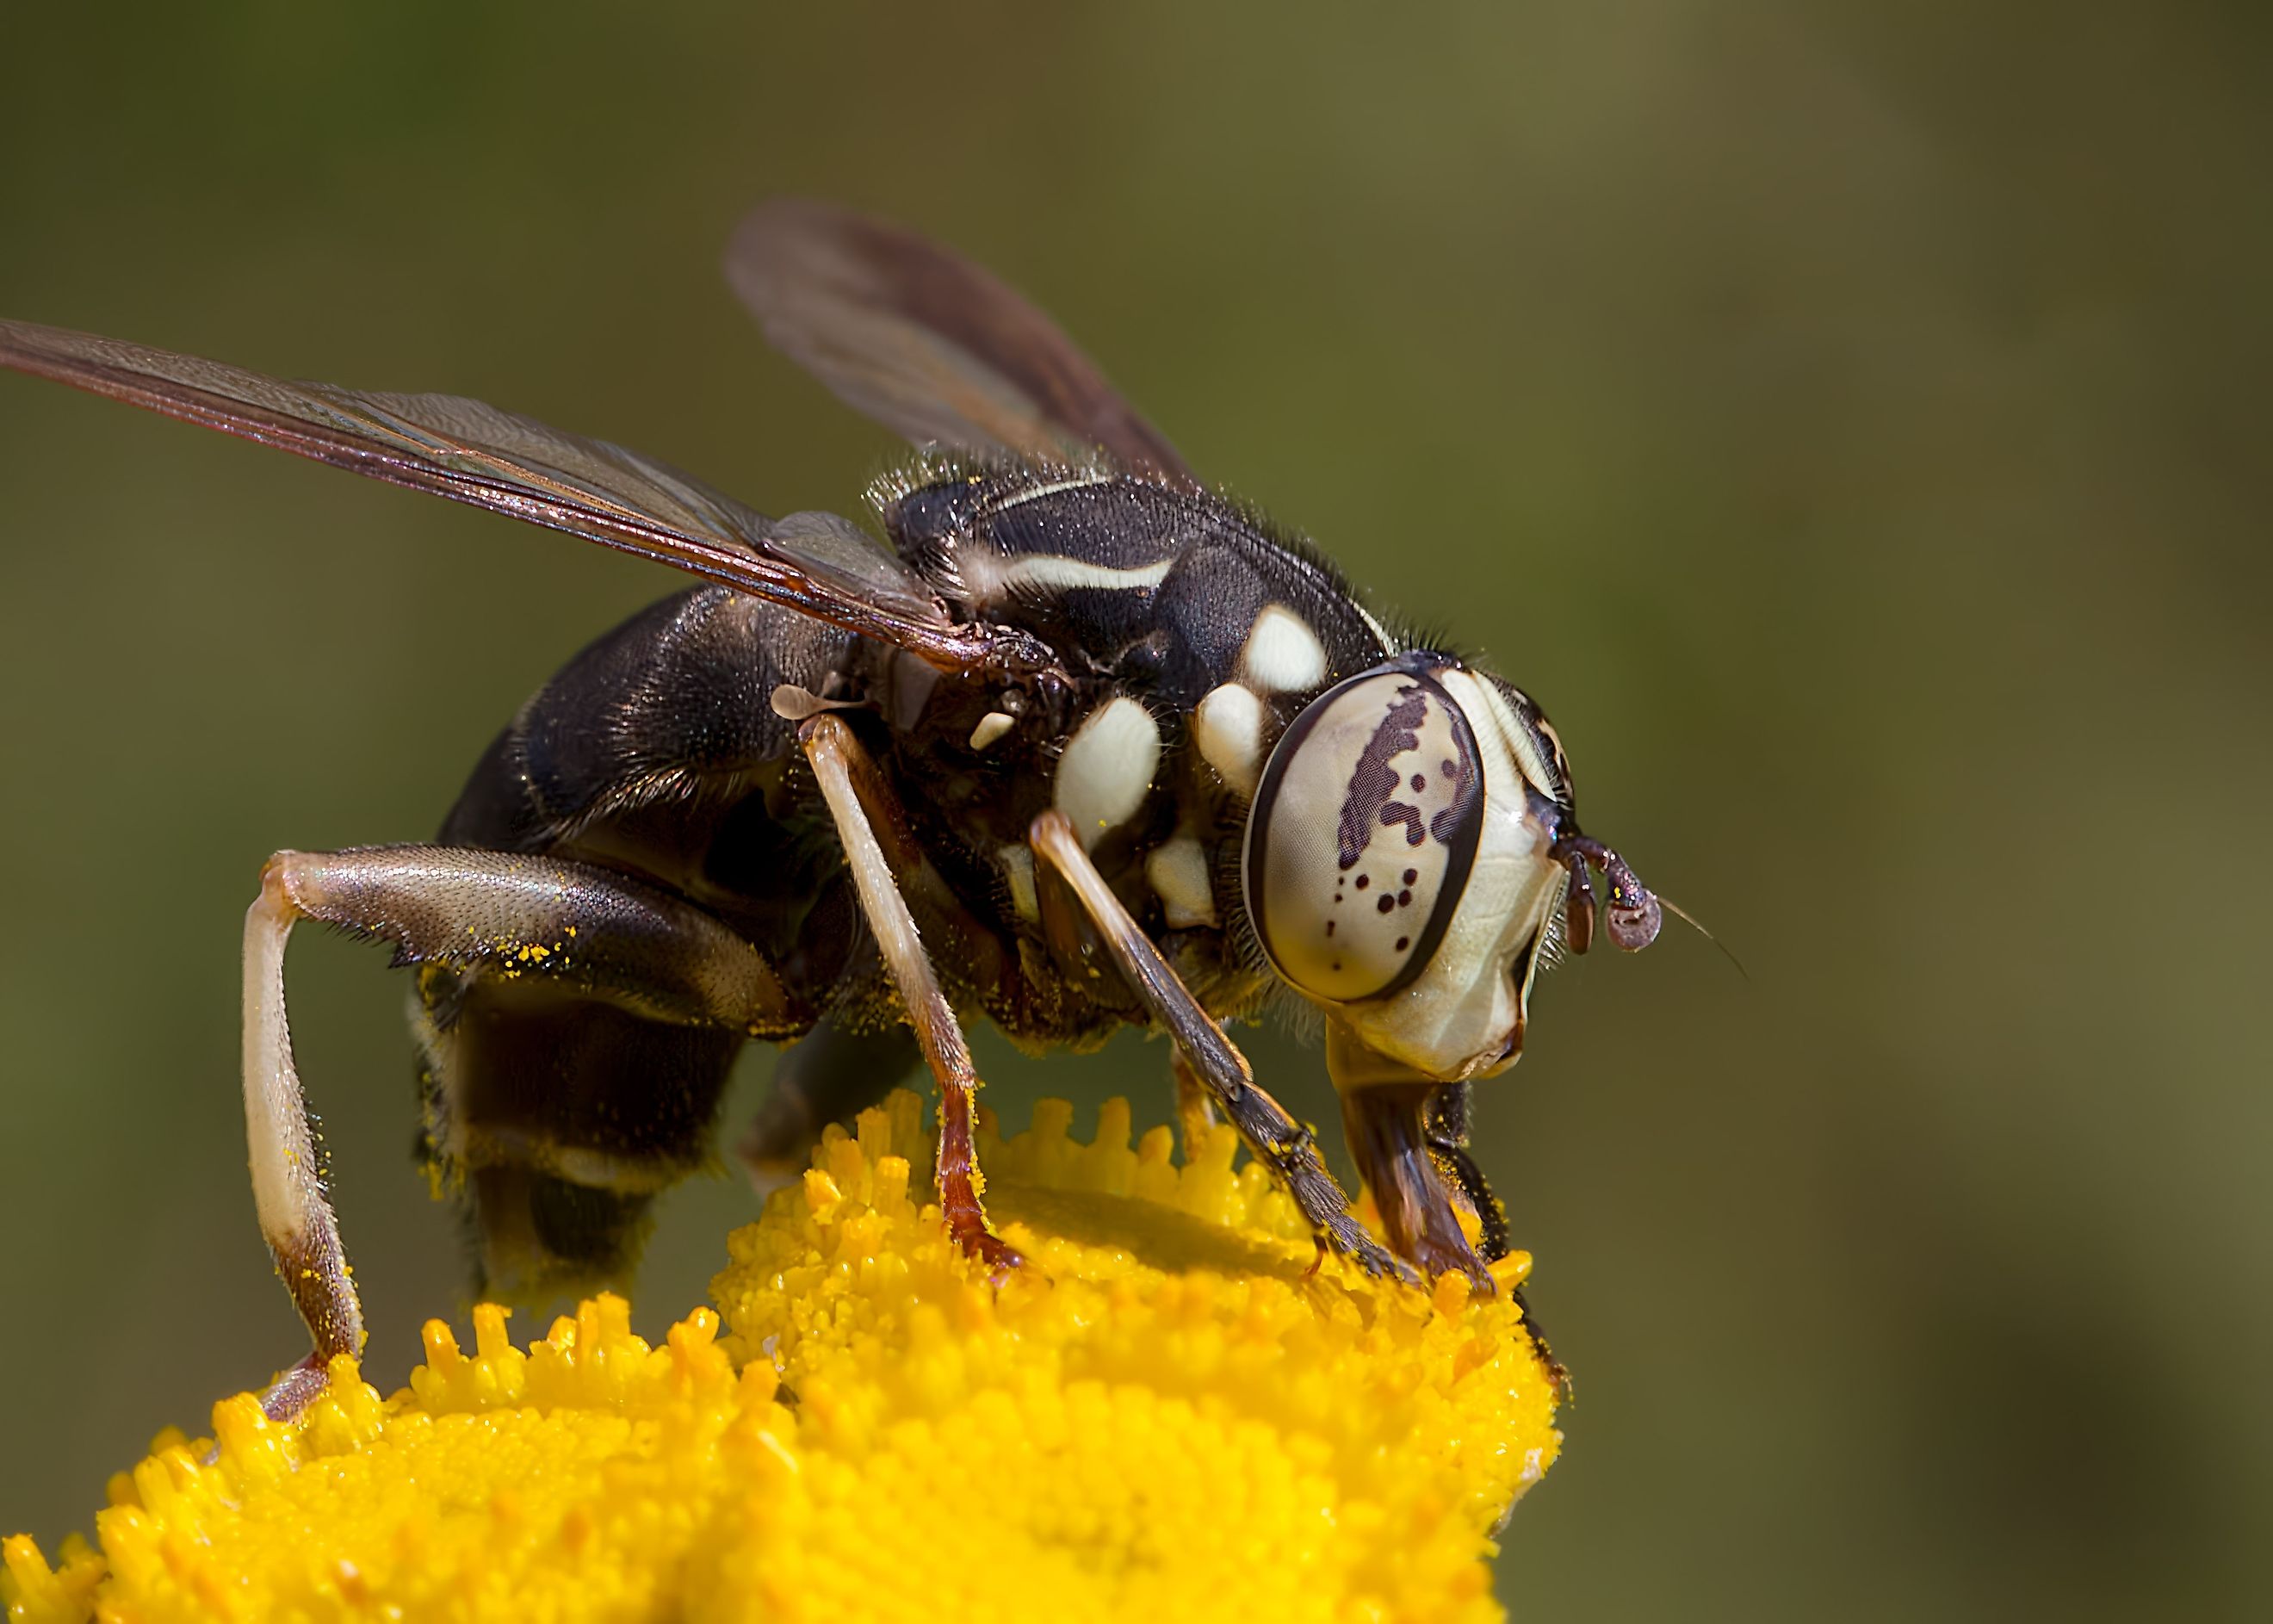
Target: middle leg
[[836, 758]]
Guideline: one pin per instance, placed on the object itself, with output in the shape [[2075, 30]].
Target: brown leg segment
[[1284, 1145], [1387, 1127], [525, 915], [858, 801]]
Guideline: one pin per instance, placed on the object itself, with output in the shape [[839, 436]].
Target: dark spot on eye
[[1411, 875], [1403, 943], [1397, 812], [1329, 926], [1419, 782], [1452, 769], [1403, 898], [1364, 880], [1388, 903], [1338, 964]]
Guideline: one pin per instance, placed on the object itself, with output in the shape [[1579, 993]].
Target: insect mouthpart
[[1633, 918]]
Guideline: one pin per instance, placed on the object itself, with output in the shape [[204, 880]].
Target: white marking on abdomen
[[1106, 770], [1178, 873], [1282, 656], [1228, 728]]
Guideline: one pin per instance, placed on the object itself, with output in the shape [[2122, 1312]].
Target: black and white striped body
[[1094, 747], [1188, 637]]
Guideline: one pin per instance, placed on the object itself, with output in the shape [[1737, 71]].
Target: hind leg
[[585, 929], [830, 1075]]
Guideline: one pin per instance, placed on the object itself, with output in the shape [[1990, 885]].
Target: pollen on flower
[[1171, 1406]]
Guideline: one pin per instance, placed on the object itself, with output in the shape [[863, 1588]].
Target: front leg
[[853, 789], [1284, 1145]]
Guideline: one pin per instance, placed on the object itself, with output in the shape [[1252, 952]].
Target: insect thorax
[[1191, 634]]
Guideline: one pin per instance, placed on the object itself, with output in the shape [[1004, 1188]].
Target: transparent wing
[[928, 343], [475, 453]]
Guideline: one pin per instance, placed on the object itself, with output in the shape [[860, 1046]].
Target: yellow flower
[[1167, 1413]]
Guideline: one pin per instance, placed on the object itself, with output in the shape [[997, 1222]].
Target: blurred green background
[[1840, 416]]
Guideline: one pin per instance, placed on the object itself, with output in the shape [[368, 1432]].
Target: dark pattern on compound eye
[[1397, 812], [1444, 823], [1373, 781]]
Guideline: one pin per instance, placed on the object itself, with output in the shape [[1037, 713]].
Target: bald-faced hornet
[[1087, 745]]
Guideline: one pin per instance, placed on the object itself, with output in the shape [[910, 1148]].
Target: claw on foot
[[295, 1389], [1368, 1253], [983, 1245]]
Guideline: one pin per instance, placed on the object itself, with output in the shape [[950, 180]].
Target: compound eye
[[1363, 831]]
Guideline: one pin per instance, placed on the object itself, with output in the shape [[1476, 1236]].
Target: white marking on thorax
[[1282, 656], [1380, 632], [991, 726], [1228, 726], [1085, 482], [1018, 873], [1106, 770], [991, 578], [1178, 873]]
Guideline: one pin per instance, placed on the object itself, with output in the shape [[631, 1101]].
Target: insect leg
[[581, 927], [1446, 1127], [1387, 1125], [832, 1074], [1287, 1147], [850, 785]]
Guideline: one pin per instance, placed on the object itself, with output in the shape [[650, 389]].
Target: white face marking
[[1228, 728], [1178, 874], [991, 726], [1282, 656], [1018, 873], [1488, 712], [1457, 1018], [1106, 770], [990, 579]]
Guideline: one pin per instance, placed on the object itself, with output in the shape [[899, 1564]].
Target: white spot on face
[[1018, 873], [991, 578], [1106, 770], [1228, 728], [1178, 873], [991, 726], [1282, 655]]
